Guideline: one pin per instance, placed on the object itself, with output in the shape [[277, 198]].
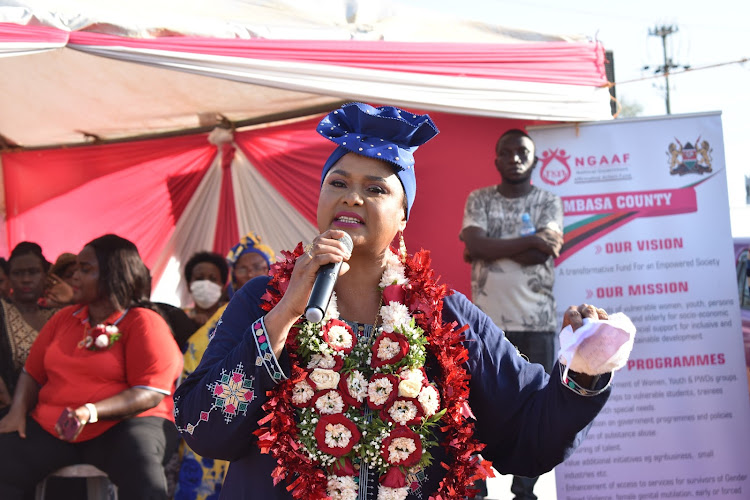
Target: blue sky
[[708, 33]]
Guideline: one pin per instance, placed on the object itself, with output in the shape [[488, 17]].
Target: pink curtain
[[63, 198], [547, 62], [17, 33]]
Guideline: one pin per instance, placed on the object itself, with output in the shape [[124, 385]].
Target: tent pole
[[8, 146]]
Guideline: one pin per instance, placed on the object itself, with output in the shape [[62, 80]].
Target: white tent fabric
[[262, 209], [194, 231], [27, 48], [64, 96], [475, 96]]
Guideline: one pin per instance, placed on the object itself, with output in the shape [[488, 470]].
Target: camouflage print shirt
[[516, 297]]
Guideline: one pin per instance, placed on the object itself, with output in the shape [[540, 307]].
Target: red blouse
[[146, 355]]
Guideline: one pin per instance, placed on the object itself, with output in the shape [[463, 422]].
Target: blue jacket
[[529, 421]]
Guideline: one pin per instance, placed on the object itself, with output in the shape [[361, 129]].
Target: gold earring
[[401, 246]]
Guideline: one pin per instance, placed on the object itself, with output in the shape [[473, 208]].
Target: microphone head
[[313, 314], [347, 241]]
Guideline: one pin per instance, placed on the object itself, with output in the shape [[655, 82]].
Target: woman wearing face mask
[[205, 273], [201, 477], [21, 316]]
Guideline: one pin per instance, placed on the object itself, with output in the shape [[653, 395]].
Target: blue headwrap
[[384, 133]]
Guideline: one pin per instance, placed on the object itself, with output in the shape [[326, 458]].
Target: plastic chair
[[98, 485]]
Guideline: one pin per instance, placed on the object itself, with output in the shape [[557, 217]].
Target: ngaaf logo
[[555, 169]]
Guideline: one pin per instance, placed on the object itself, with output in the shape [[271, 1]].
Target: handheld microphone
[[322, 289]]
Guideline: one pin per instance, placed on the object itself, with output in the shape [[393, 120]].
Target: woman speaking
[[376, 400]]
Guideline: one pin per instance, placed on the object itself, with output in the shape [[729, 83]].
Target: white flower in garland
[[409, 388], [395, 273], [325, 379], [102, 341], [388, 349], [394, 315], [385, 493], [330, 403], [402, 412], [339, 337], [400, 449], [321, 361], [357, 385], [333, 309], [302, 393], [430, 400], [414, 374], [379, 391], [337, 436], [341, 488]]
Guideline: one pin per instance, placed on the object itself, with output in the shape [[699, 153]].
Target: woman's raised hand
[[325, 249], [574, 315]]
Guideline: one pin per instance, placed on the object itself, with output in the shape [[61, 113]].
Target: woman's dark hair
[[4, 265], [123, 277], [211, 258], [28, 248]]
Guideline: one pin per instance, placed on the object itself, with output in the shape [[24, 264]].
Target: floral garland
[[315, 426]]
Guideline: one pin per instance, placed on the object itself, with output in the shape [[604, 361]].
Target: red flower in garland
[[391, 346], [339, 336], [336, 434], [347, 469], [402, 447], [394, 478]]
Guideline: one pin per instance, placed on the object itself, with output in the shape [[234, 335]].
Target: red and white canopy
[[176, 195], [99, 85]]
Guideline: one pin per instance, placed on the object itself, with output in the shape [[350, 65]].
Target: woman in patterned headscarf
[[200, 478]]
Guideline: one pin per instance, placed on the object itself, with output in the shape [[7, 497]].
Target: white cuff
[[93, 414]]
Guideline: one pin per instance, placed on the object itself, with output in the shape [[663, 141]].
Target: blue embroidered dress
[[529, 421]]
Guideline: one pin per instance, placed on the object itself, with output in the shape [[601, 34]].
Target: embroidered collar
[[351, 402]]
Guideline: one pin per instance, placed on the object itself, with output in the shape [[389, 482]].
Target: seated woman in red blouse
[[97, 385]]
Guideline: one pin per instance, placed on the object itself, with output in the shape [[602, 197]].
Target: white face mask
[[205, 293]]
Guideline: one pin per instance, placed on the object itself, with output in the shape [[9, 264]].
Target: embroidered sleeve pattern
[[232, 394], [265, 354], [582, 391]]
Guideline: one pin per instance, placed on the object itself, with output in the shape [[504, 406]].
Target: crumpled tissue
[[599, 346]]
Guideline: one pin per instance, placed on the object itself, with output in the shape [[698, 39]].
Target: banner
[[647, 232]]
